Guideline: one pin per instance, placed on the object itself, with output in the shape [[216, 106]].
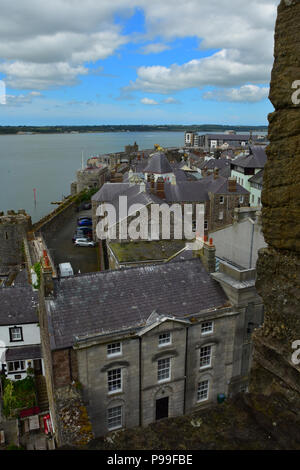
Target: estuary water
[[48, 163]]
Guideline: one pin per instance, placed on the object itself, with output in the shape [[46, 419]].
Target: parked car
[[85, 221], [82, 232], [84, 242], [65, 269]]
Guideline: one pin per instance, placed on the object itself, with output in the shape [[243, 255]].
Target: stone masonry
[[278, 268]]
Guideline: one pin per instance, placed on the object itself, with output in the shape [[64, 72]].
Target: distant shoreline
[[40, 130]]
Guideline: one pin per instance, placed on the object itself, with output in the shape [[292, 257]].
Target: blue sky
[[136, 62]]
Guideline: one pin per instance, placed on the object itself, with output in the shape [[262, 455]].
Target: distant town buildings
[[163, 329]]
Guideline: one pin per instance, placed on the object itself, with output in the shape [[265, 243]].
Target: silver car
[[84, 242]]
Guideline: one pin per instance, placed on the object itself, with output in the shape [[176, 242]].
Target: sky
[[95, 62]]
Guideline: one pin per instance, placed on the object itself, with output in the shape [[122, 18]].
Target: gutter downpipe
[[185, 369], [251, 244], [140, 382]]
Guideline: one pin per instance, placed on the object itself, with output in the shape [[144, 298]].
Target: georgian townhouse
[[144, 343]]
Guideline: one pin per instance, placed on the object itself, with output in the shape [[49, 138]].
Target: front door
[[37, 366], [162, 408]]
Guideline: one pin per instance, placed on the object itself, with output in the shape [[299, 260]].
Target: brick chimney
[[232, 185], [46, 275]]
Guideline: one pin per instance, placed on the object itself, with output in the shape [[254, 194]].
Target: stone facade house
[[219, 195], [145, 343]]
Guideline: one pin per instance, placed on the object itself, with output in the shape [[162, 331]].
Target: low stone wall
[[49, 224]]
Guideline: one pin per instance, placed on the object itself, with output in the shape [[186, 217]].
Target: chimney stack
[[209, 256], [160, 188], [232, 185], [216, 173], [46, 275]]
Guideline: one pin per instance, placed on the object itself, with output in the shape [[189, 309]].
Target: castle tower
[[13, 228]]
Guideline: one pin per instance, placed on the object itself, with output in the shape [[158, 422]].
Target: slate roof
[[256, 159], [197, 191], [23, 352], [233, 137], [18, 305], [257, 178], [108, 301], [159, 164], [109, 190], [220, 185], [214, 163], [186, 191], [21, 278]]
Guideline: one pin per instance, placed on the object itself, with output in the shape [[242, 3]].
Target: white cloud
[[242, 29], [57, 39], [60, 37], [29, 75], [246, 93], [224, 68], [155, 48], [148, 101], [170, 100], [20, 100]]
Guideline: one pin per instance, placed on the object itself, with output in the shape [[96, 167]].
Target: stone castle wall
[[278, 267], [13, 228]]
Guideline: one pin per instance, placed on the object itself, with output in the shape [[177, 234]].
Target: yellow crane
[[158, 147]]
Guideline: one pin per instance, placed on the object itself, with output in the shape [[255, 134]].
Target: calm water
[[49, 163]]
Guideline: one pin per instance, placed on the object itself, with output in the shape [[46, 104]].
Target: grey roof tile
[[158, 163], [114, 300], [18, 305], [23, 352]]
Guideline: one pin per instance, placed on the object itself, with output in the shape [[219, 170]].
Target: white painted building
[[19, 332], [245, 167]]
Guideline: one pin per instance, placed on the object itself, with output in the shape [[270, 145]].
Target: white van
[[65, 269]]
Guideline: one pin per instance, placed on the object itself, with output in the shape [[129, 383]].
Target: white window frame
[[111, 381], [204, 330], [221, 199], [204, 388], [14, 369], [206, 347], [15, 337], [221, 215], [164, 368], [119, 414], [113, 346], [164, 339], [205, 224]]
